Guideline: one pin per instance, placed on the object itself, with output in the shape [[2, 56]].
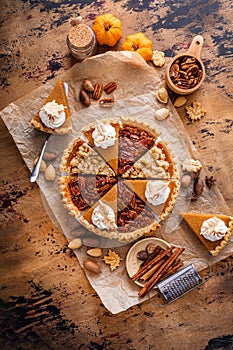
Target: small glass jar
[[81, 41]]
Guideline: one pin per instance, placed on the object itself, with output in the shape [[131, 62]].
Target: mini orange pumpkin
[[107, 29], [139, 43]]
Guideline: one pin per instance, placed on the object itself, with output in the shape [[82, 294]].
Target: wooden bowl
[[193, 51]]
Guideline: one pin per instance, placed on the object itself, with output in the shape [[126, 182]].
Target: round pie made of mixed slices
[[122, 181]]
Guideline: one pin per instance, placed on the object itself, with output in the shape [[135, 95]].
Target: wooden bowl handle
[[196, 46]]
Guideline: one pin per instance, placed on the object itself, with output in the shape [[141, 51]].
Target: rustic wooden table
[[46, 301]]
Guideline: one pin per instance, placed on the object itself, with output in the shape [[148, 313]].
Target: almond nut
[[162, 113], [180, 101], [50, 173], [95, 252], [43, 165], [76, 243], [162, 95]]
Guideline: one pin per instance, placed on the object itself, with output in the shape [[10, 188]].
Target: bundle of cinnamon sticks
[[159, 265]]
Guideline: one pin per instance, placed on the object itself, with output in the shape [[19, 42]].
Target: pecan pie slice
[[158, 163], [103, 136], [160, 195], [101, 218], [213, 230], [80, 158], [135, 139], [80, 192], [134, 217], [58, 95]]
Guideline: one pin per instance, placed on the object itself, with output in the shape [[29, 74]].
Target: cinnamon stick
[[164, 268], [172, 270], [151, 263], [151, 271]]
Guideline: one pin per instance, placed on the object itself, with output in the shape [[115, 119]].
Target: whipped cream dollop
[[103, 217], [213, 229], [157, 192], [52, 114], [104, 135]]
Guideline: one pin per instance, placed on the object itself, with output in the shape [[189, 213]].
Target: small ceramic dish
[[133, 263]]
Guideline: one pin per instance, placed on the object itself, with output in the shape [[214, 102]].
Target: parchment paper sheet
[[135, 97]]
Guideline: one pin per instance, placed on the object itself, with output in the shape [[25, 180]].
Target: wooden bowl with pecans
[[186, 72]]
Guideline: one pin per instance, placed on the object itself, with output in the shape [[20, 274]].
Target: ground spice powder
[[80, 35]]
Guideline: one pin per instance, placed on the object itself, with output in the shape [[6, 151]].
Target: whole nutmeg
[[198, 186], [186, 180], [84, 98], [150, 248], [87, 85], [142, 255], [92, 266]]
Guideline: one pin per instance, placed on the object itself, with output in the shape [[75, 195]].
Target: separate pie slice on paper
[[195, 222], [58, 94], [79, 157], [103, 136]]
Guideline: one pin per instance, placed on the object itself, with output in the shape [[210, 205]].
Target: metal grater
[[180, 283]]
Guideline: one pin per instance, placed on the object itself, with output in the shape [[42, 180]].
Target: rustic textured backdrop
[[46, 301]]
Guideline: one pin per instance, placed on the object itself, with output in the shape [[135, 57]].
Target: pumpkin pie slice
[[54, 115], [103, 136], [135, 139], [158, 163], [80, 192], [134, 217], [160, 195], [101, 218], [80, 158], [208, 225]]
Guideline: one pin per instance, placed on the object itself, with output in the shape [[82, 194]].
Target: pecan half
[[106, 102], [98, 89], [110, 87]]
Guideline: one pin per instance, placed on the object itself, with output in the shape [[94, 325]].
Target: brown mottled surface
[[46, 301]]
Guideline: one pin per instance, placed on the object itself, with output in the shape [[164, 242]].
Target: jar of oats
[[81, 41]]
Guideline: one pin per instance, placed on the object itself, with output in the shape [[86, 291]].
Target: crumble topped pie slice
[[160, 195], [134, 140], [54, 115], [103, 136], [158, 163], [213, 230], [79, 157], [80, 192], [134, 217], [101, 218]]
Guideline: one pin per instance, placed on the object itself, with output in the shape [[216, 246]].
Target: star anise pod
[[209, 181]]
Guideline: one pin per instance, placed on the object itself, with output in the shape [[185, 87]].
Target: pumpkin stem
[[135, 47], [107, 26]]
